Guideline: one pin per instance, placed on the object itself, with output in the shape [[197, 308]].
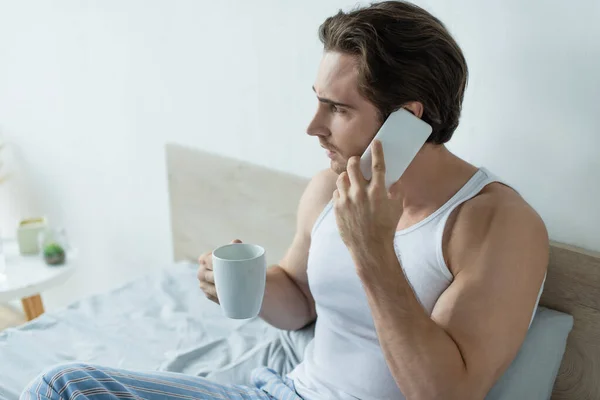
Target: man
[[425, 291]]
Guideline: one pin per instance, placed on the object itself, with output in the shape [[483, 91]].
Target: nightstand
[[27, 276]]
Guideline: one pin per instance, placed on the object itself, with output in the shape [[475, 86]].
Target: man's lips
[[330, 152]]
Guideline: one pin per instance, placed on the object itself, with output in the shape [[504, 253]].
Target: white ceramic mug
[[240, 273]]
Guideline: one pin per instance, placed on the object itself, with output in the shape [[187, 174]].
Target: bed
[[163, 322]]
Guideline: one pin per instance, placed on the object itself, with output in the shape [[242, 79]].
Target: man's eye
[[336, 109]]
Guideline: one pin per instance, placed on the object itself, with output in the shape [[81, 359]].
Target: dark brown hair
[[404, 54]]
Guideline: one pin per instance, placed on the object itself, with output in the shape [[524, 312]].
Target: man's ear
[[414, 107]]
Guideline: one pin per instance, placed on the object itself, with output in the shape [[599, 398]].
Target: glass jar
[[54, 245]]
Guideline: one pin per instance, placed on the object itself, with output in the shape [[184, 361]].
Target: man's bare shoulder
[[317, 194], [503, 206], [498, 218], [322, 186]]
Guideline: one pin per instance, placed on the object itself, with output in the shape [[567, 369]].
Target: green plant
[[54, 254]]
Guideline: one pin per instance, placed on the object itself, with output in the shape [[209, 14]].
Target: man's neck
[[432, 178]]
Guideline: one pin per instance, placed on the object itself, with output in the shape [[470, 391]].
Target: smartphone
[[402, 135]]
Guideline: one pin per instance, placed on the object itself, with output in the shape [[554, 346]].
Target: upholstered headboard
[[216, 199]]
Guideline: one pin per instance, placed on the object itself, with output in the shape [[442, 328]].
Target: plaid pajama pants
[[85, 381]]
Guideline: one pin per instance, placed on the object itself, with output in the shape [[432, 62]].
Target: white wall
[[91, 90]]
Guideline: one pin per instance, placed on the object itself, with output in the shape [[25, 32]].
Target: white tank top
[[344, 360]]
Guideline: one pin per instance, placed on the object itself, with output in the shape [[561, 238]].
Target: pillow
[[532, 373]]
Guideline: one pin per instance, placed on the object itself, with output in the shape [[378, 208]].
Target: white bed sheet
[[162, 322]]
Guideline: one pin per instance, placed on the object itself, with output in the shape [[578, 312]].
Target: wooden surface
[[32, 306], [573, 286], [214, 199]]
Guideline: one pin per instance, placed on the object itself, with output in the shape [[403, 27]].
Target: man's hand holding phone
[[367, 214]]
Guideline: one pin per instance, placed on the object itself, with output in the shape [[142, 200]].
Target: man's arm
[[288, 303], [498, 252]]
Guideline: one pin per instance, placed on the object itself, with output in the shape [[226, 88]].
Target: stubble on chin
[[338, 166]]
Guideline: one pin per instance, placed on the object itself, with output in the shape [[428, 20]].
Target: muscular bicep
[[488, 307]]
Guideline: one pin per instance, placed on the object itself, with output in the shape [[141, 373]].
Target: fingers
[[207, 282], [343, 184], [206, 260], [210, 291], [206, 276], [209, 276], [205, 273], [355, 175], [214, 299], [378, 165], [205, 269]]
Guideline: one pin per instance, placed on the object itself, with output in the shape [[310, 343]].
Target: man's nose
[[317, 127]]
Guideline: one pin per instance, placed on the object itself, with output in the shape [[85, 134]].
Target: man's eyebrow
[[333, 102]]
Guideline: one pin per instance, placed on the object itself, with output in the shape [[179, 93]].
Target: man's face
[[345, 122]]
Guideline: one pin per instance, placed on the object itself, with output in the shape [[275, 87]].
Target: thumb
[[236, 241]]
